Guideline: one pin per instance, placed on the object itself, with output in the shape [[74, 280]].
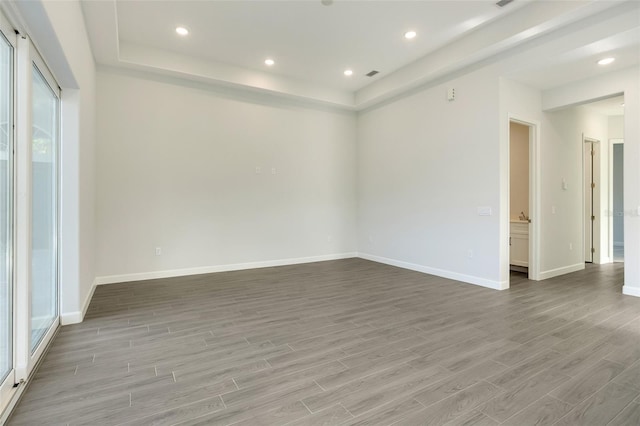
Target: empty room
[[320, 212]]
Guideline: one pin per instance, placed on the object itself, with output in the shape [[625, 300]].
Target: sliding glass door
[[44, 184], [6, 215], [29, 144]]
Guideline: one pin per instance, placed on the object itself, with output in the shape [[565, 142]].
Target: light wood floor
[[346, 342]]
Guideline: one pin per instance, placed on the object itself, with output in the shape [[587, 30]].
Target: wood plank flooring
[[345, 342]]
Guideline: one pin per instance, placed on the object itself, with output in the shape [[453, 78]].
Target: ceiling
[[312, 43]]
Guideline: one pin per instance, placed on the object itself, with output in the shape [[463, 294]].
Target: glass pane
[[6, 130], [44, 298]]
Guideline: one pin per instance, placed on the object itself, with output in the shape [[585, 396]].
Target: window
[[44, 301]]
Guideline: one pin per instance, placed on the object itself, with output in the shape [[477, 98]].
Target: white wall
[[177, 170], [425, 166], [616, 127], [58, 29]]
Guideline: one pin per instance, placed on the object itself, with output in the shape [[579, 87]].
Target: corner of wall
[[468, 279], [68, 318]]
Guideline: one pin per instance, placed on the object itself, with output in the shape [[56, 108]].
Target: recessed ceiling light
[[182, 31], [348, 72], [606, 61], [410, 34], [269, 62]]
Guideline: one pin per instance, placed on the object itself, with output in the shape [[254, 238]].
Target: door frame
[[7, 388], [588, 177], [534, 193], [610, 207], [596, 195]]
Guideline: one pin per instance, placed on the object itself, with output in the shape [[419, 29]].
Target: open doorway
[[522, 199], [603, 153]]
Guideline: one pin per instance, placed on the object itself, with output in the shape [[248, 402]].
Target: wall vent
[[503, 3], [372, 73]]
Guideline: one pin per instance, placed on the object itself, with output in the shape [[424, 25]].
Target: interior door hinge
[[593, 218], [593, 185], [593, 153], [593, 250]]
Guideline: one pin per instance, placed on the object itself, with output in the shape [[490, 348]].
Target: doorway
[[523, 155]]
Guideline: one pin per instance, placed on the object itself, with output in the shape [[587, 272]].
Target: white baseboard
[[631, 291], [560, 271], [143, 276], [470, 279], [69, 318], [78, 316]]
